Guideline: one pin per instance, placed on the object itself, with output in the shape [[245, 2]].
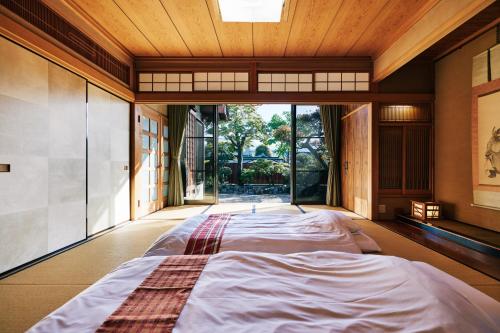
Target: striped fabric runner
[[207, 237], [156, 304]]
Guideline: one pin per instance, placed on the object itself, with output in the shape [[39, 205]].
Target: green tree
[[247, 176], [279, 128], [267, 169], [224, 174], [263, 168], [263, 150], [244, 124], [225, 152], [309, 128]]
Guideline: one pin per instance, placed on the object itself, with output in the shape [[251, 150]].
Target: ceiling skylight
[[251, 10]]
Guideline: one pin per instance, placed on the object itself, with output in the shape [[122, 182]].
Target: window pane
[[145, 160], [311, 154], [165, 161], [153, 160], [154, 193], [165, 190], [199, 168], [145, 141], [154, 144], [308, 121], [311, 186], [145, 123], [145, 194], [165, 131], [154, 127], [145, 184], [165, 146], [153, 177]]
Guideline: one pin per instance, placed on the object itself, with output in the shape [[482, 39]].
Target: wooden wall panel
[[390, 158], [356, 161], [417, 171]]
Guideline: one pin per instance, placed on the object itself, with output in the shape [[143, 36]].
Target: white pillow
[[366, 243]]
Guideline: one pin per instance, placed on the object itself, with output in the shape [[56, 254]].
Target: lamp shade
[[425, 210]]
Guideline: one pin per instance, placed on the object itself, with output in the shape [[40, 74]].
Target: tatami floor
[[28, 296]]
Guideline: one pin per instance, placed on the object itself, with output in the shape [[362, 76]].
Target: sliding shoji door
[[42, 141], [108, 160]]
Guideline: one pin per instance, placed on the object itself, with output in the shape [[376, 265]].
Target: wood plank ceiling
[[193, 28]]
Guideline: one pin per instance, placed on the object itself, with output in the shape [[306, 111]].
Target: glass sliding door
[[309, 156], [165, 162], [198, 160], [150, 200]]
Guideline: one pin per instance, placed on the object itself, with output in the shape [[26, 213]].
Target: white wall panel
[[108, 160], [42, 137]]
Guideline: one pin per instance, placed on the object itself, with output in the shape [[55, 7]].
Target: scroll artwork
[[486, 149], [486, 128]]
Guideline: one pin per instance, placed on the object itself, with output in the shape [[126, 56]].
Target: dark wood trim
[[132, 163], [375, 152], [257, 64], [278, 97], [482, 262], [453, 236]]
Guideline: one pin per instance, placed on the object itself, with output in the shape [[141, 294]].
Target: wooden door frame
[[164, 200], [137, 208]]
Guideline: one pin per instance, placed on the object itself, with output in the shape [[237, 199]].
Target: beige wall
[[453, 163]]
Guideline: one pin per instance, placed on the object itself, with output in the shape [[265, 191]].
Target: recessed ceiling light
[[251, 10]]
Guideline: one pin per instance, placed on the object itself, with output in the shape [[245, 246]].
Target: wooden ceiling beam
[[279, 97], [288, 64], [439, 21]]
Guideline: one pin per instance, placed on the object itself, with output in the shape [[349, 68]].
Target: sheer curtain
[[331, 120], [177, 120]]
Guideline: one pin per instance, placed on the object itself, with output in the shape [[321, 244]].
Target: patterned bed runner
[[156, 304], [207, 237]]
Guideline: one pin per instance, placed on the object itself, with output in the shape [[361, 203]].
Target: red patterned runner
[[156, 304], [207, 237]]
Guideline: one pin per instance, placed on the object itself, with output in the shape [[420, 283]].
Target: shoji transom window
[[333, 81], [165, 82], [289, 82], [221, 81]]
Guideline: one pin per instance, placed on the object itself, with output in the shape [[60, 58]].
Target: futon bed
[[234, 291], [274, 233]]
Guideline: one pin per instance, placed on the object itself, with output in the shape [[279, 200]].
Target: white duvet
[[305, 292], [275, 233]]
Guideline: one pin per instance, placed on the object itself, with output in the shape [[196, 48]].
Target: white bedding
[[275, 233], [303, 292]]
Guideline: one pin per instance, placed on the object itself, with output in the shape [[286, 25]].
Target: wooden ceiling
[[193, 28]]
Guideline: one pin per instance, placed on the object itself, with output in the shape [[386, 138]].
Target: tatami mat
[[28, 296]]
